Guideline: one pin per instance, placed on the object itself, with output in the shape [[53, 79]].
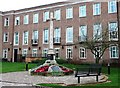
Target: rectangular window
[[17, 20], [5, 53], [26, 19], [96, 9], [6, 21], [34, 52], [44, 53], [35, 18], [5, 38], [46, 16], [69, 35], [35, 37], [114, 52], [112, 6], [57, 14], [24, 52], [57, 53], [69, 53], [16, 38], [82, 53], [45, 36], [25, 38], [69, 13], [97, 31], [83, 33], [97, 52], [57, 35], [113, 31], [82, 11]]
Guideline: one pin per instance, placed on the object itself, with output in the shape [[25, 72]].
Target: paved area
[[25, 79]]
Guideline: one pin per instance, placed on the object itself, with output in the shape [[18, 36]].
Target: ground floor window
[[114, 52], [57, 53], [34, 52], [69, 53], [5, 53], [44, 52], [82, 52], [24, 52]]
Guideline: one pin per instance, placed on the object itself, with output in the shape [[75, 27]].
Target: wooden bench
[[91, 70]]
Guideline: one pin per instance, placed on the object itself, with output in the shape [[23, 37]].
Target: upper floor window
[[35, 18], [114, 52], [35, 37], [57, 35], [113, 31], [17, 20], [82, 33], [96, 9], [69, 13], [82, 52], [26, 19], [5, 53], [57, 14], [112, 6], [82, 11], [16, 38], [5, 37], [25, 37], [46, 16], [45, 36], [69, 35], [6, 21], [97, 31]]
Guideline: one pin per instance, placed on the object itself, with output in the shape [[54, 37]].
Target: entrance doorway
[[15, 55]]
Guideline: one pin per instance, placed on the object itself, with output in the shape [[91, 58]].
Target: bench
[[91, 70]]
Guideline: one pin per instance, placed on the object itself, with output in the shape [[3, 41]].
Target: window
[[35, 37], [69, 35], [114, 52], [113, 31], [34, 52], [24, 52], [46, 16], [97, 52], [26, 19], [5, 37], [57, 35], [5, 53], [6, 22], [112, 6], [45, 36], [96, 9], [44, 53], [16, 38], [25, 38], [97, 31], [82, 11], [69, 13], [57, 53], [69, 53], [57, 14], [82, 53], [82, 33], [35, 18], [17, 20]]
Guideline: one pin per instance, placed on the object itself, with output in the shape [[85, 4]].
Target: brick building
[[26, 31], [0, 35]]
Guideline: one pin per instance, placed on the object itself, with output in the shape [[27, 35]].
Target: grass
[[13, 67]]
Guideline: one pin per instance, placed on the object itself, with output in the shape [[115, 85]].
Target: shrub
[[61, 61], [40, 62]]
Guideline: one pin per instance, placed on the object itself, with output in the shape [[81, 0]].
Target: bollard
[[108, 68], [26, 66]]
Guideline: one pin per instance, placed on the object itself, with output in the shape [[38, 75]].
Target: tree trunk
[[97, 60]]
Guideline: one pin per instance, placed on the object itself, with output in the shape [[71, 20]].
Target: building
[[1, 35], [26, 31]]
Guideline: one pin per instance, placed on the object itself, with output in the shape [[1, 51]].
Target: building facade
[[0, 35], [26, 31]]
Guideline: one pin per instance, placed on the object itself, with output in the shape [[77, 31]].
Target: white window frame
[[56, 35], [99, 52], [27, 37], [85, 52], [26, 19], [44, 52], [4, 53], [15, 38], [97, 8], [46, 16], [4, 37], [82, 9], [82, 35], [24, 52], [6, 21], [110, 2], [17, 20], [34, 52], [116, 50], [67, 39], [57, 14], [44, 36], [35, 17], [70, 52], [69, 12], [57, 52]]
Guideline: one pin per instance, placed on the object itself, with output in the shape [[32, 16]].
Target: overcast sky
[[6, 5]]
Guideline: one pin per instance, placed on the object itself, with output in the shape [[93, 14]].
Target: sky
[[7, 5]]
